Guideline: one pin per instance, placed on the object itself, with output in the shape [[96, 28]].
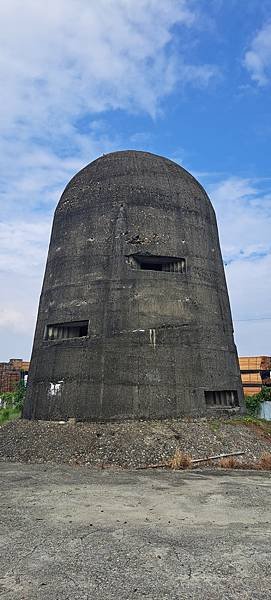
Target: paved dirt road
[[79, 534]]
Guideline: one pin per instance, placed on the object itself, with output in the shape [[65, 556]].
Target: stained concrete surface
[[153, 342], [74, 533]]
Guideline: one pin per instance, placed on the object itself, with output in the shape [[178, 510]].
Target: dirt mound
[[130, 444]]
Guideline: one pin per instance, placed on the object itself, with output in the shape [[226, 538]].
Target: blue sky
[[190, 80]]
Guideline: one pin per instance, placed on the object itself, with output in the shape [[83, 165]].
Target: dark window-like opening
[[169, 264], [222, 398], [265, 375], [65, 331]]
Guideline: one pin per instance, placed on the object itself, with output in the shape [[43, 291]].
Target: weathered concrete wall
[[156, 340]]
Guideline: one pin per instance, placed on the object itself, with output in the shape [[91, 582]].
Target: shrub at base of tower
[[12, 403], [253, 403]]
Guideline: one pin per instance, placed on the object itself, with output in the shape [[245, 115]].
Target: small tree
[[253, 403], [7, 399], [19, 395]]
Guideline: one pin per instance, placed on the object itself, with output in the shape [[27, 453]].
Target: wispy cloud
[[22, 245], [243, 209], [258, 56], [76, 57], [249, 286], [63, 66]]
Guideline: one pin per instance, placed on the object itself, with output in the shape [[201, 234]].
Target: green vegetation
[[260, 425], [253, 403], [13, 403], [7, 399], [214, 425], [8, 414], [19, 395]]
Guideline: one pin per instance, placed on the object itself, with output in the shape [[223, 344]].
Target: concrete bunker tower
[[134, 318]]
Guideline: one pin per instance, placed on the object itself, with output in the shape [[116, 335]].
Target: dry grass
[[235, 463], [265, 461], [230, 462], [180, 460]]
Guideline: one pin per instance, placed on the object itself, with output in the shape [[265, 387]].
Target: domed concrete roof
[[139, 170]]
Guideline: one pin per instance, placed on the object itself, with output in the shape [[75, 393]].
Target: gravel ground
[[129, 444]]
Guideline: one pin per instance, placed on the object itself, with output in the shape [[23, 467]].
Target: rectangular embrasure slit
[[65, 331], [222, 398], [168, 264]]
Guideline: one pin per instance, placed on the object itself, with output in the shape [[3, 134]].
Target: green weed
[[8, 414], [214, 425]]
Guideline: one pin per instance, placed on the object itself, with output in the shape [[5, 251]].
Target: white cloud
[[23, 245], [79, 56], [12, 318], [23, 248], [62, 66], [34, 174], [243, 209], [18, 308], [258, 57], [249, 287]]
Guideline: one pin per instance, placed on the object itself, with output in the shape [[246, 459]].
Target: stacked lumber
[[255, 372]]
